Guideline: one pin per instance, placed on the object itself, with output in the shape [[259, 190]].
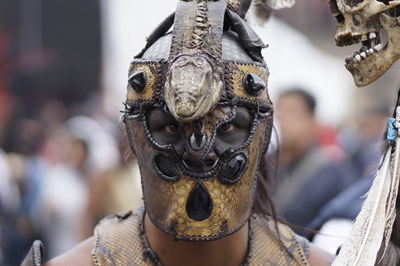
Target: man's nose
[[196, 162]]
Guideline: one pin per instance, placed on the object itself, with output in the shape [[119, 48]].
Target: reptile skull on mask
[[363, 21], [199, 118]]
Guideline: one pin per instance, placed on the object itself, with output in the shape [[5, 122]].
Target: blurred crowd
[[59, 176], [65, 164]]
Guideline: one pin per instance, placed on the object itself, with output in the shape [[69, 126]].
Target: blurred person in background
[[9, 205], [308, 176], [114, 190], [26, 172], [64, 195], [363, 141], [76, 156], [46, 77]]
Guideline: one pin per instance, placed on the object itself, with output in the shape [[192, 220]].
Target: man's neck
[[230, 250]]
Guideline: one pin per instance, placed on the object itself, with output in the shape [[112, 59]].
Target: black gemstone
[[253, 84], [166, 167], [197, 142], [137, 81], [233, 170], [199, 204]]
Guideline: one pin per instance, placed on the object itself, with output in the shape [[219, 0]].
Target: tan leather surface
[[118, 242]]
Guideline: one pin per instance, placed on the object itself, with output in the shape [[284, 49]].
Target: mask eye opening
[[393, 12], [225, 153], [153, 141]]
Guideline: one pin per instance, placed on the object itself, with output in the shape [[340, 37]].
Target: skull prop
[[363, 21]]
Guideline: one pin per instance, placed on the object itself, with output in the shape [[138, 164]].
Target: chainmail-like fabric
[[269, 248], [118, 241]]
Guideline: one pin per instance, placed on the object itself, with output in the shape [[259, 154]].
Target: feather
[[365, 240], [391, 203], [372, 230]]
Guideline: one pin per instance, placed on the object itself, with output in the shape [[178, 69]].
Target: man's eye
[[228, 127], [171, 128]]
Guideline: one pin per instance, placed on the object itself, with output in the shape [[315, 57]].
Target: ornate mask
[[199, 119], [362, 21]]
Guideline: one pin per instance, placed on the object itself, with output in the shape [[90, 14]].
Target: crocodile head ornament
[[193, 87], [198, 117], [364, 21], [194, 82]]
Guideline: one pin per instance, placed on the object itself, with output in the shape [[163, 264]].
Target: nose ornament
[[197, 142]]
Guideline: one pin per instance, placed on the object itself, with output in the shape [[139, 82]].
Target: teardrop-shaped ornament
[[199, 203]]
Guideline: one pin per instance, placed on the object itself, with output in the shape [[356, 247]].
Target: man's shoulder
[[79, 255]]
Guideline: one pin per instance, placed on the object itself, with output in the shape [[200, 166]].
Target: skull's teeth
[[378, 47], [370, 46], [372, 35]]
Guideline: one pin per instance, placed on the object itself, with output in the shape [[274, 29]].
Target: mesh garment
[[118, 241]]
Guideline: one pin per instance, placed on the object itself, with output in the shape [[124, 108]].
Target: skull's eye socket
[[333, 7], [353, 3], [340, 19], [393, 12], [386, 2], [138, 81]]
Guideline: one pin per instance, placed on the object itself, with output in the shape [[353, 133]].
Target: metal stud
[[138, 81], [197, 142], [233, 170], [253, 84]]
